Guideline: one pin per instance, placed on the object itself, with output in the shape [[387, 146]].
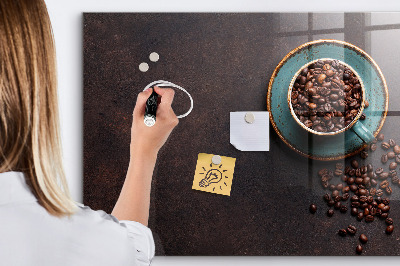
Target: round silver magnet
[[249, 118], [216, 159], [154, 57], [144, 67]]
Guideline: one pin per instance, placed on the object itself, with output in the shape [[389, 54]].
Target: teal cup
[[356, 125]]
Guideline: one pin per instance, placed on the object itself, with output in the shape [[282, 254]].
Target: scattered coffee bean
[[384, 184], [364, 154], [385, 145], [331, 203], [339, 166], [396, 149], [330, 213], [379, 171], [384, 215], [380, 137], [392, 143], [391, 155], [343, 209], [392, 165], [397, 158], [359, 249], [389, 221], [373, 147], [342, 232], [354, 211], [360, 216], [384, 158], [389, 229], [313, 208], [363, 238], [337, 205], [369, 218], [354, 164], [384, 175], [351, 230], [327, 197]]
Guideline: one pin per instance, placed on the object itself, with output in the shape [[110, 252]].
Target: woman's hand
[[146, 139], [134, 201]]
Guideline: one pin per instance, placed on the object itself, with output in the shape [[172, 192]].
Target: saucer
[[326, 147]]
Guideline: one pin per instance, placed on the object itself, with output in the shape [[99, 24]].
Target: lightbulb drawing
[[212, 176]]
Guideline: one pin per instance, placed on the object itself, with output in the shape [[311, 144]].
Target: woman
[[39, 223]]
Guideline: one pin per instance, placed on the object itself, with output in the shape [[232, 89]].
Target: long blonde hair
[[29, 122]]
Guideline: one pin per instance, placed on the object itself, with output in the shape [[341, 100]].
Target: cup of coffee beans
[[327, 97]]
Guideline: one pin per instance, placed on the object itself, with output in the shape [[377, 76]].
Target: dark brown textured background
[[225, 62]]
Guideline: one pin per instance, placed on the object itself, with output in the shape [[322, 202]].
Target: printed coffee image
[[326, 96]]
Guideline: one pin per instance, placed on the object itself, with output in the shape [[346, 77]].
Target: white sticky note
[[246, 136]]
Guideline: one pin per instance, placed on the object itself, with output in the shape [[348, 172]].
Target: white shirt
[[29, 235]]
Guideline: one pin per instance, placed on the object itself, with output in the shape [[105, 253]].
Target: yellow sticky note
[[214, 178]]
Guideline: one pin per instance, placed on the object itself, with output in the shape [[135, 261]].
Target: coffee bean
[[346, 190], [354, 164], [313, 208], [391, 155], [351, 230], [388, 190], [396, 149], [337, 205], [384, 184], [366, 211], [389, 221], [364, 169], [374, 183], [327, 197], [354, 198], [389, 229], [335, 193], [339, 166], [330, 213], [343, 209], [384, 175], [369, 218], [384, 158], [373, 211], [392, 165], [359, 249], [323, 172], [380, 137], [338, 172], [379, 171], [363, 238], [352, 172], [395, 180], [359, 180], [372, 191], [384, 215], [360, 216], [345, 196], [355, 204], [337, 198], [350, 180], [339, 186], [331, 203], [364, 154], [385, 145], [363, 199], [373, 147], [370, 168], [397, 158], [393, 173], [379, 192], [392, 143], [353, 188], [354, 211], [342, 232], [386, 208]]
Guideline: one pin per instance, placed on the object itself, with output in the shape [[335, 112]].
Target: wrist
[[143, 153]]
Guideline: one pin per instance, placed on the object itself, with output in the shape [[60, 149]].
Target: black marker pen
[[151, 109]]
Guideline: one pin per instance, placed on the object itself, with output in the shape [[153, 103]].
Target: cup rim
[[326, 133]]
